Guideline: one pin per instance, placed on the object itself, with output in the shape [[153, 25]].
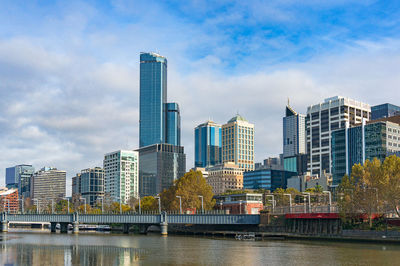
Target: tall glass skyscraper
[[153, 99], [208, 144], [173, 124], [19, 177]]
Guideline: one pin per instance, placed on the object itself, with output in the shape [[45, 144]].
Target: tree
[[148, 203], [189, 188]]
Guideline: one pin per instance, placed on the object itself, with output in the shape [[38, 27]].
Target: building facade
[[19, 177], [173, 135], [92, 185], [246, 203], [121, 175], [267, 179], [9, 200], [306, 181], [238, 143], [322, 119], [48, 184], [384, 110], [225, 176], [353, 145], [208, 148], [160, 166]]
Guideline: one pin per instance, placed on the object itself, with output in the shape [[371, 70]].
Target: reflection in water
[[30, 254]]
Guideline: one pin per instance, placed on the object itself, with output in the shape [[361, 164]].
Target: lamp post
[[159, 204], [180, 204], [202, 206], [273, 202], [309, 200], [240, 206], [290, 202], [67, 204], [102, 205], [37, 205], [120, 206], [22, 205], [52, 206], [140, 210], [330, 198], [84, 200]]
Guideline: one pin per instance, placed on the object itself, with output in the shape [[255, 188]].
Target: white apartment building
[[238, 143], [321, 120], [121, 175]]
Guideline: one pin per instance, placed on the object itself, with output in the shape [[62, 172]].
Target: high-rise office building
[[48, 184], [321, 120], [373, 139], [224, 176], [294, 141], [208, 147], [160, 166], [384, 110], [121, 175], [238, 143], [19, 177], [173, 124], [153, 99], [92, 185]]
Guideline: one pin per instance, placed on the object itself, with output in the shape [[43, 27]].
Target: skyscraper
[[153, 99], [322, 119], [173, 124], [89, 184], [48, 184], [238, 143], [384, 110], [294, 141], [121, 175], [19, 177], [208, 146]]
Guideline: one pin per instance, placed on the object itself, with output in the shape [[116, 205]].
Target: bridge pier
[[164, 228], [143, 228], [75, 227], [64, 228], [53, 227], [126, 228], [4, 226]]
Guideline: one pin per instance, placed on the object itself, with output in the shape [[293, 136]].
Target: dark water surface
[[37, 247]]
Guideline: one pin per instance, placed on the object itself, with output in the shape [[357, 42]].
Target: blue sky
[[69, 69]]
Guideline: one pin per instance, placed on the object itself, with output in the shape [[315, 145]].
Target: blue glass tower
[[173, 124], [153, 99], [208, 144], [384, 110]]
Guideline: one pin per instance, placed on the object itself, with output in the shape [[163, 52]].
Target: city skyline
[[63, 101]]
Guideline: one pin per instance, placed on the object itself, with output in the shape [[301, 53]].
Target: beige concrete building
[[225, 176], [303, 182], [48, 184], [238, 143]]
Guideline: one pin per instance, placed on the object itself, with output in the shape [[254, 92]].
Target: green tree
[[148, 203], [189, 188]]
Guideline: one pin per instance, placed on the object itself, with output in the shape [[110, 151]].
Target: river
[[39, 247]]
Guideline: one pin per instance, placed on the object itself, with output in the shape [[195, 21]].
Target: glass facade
[[266, 179], [384, 110], [173, 124], [375, 141], [20, 177], [338, 155], [160, 166], [92, 185], [207, 144], [153, 99]]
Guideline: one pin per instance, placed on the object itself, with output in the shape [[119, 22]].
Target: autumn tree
[[189, 188], [148, 203]]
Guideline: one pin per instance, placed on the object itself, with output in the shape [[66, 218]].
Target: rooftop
[[237, 118]]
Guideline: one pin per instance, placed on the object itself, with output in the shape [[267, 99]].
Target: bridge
[[143, 220]]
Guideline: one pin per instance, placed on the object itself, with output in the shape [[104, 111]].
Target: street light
[[22, 205], [180, 204], [240, 206], [273, 202], [67, 205], [140, 210], [159, 203], [330, 198], [37, 206], [290, 201], [309, 200], [102, 205], [202, 206], [120, 206], [84, 200]]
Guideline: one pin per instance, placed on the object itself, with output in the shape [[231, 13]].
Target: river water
[[39, 247]]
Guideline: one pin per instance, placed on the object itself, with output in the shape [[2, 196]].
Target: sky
[[69, 70]]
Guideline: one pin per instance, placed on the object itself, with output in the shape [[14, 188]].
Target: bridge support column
[[126, 228], [143, 228], [75, 227], [164, 228], [53, 227], [64, 227], [4, 226]]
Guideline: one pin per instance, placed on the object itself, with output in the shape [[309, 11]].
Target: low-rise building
[[225, 176], [306, 181], [9, 200], [245, 203], [267, 179]]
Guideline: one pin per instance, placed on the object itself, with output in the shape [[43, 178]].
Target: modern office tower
[[322, 119], [76, 184], [48, 184], [268, 179], [121, 175], [92, 185], [373, 139], [173, 124], [19, 177], [208, 148], [153, 99], [294, 141], [225, 176], [238, 143], [160, 166], [384, 110]]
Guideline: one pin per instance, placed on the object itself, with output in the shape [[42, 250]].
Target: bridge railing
[[302, 209]]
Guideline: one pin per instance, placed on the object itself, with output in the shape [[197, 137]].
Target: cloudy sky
[[69, 70]]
